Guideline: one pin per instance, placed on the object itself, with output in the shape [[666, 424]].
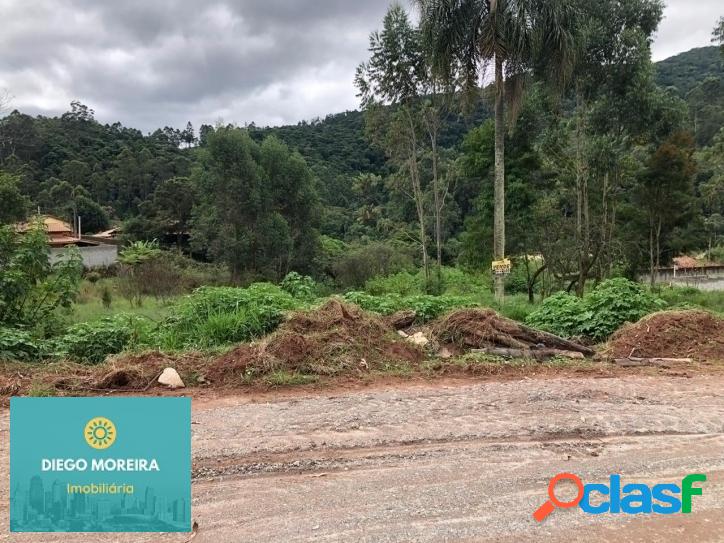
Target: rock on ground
[[171, 378]]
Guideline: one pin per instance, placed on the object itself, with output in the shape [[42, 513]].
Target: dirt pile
[[671, 334], [131, 372], [484, 328], [333, 339], [233, 367]]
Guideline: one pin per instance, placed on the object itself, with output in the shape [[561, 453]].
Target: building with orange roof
[[61, 235]]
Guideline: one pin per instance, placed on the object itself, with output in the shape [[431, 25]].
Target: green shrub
[[516, 307], [138, 252], [106, 296], [31, 288], [153, 276], [302, 287], [205, 301], [235, 327], [517, 280], [18, 345], [430, 307], [403, 283], [330, 251], [214, 316], [92, 342], [363, 262], [613, 303], [194, 274], [384, 305], [147, 270], [561, 313], [599, 313], [457, 281], [92, 276]]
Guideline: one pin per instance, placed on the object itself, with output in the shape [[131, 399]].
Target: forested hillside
[[354, 204], [686, 70]]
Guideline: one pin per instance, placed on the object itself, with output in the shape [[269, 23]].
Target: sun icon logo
[[100, 433]]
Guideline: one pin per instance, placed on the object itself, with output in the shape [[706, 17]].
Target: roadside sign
[[501, 267]]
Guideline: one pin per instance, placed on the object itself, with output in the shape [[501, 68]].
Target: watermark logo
[[100, 433], [630, 499], [80, 477]]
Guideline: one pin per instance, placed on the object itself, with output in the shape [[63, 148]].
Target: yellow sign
[[501, 267], [100, 433]]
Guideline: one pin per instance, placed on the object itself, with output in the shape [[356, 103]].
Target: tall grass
[[688, 297], [89, 305], [214, 316], [454, 282]]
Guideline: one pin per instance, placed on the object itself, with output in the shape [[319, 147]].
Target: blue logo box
[[100, 464]]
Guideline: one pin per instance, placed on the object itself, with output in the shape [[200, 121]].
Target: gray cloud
[[686, 24], [150, 64]]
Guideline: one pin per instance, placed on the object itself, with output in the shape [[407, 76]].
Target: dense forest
[[613, 173]]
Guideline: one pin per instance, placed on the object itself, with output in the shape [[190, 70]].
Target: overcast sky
[[150, 63]]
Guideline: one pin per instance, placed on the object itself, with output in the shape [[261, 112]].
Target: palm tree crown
[[520, 38]]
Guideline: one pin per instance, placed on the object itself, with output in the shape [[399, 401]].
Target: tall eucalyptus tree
[[392, 84]]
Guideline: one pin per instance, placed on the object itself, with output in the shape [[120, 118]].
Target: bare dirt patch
[[442, 461], [691, 334], [230, 368]]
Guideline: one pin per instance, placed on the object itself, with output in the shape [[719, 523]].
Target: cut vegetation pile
[[342, 339], [676, 334], [333, 339], [486, 330], [128, 372]]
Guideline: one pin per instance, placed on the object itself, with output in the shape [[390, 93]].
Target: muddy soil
[[442, 461], [690, 333]]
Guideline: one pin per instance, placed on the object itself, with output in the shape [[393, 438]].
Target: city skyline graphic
[[45, 505]]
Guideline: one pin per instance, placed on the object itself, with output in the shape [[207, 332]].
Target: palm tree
[[519, 38]]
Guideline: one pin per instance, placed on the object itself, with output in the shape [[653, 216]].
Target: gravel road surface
[[446, 461]]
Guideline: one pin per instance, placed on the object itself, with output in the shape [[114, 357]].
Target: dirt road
[[443, 462]]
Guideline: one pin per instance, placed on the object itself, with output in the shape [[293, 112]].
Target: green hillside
[[685, 70]]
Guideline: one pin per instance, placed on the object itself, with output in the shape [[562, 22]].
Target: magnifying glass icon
[[547, 508]]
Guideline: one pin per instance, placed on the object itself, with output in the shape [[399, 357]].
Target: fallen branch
[[632, 362], [152, 381], [484, 328], [536, 354]]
